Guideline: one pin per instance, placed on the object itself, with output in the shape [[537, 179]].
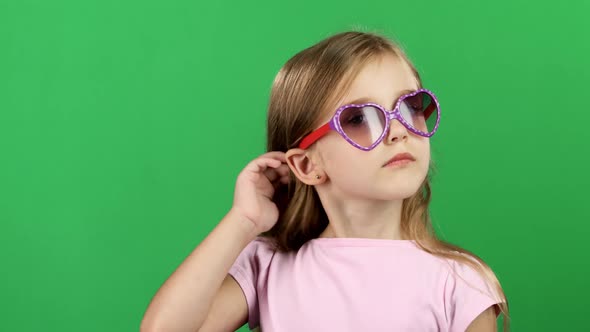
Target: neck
[[363, 219]]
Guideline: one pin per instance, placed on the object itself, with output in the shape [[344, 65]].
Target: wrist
[[242, 224]]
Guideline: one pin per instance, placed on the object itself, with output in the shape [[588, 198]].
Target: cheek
[[425, 154], [341, 158]]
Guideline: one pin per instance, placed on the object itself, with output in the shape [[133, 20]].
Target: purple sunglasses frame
[[334, 123]]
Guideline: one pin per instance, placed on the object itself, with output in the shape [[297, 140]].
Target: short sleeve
[[467, 294], [246, 270]]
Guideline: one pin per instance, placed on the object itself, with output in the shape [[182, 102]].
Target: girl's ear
[[303, 167]]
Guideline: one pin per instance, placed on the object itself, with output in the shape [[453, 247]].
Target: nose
[[396, 131]]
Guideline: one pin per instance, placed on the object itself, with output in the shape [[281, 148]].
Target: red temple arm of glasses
[[429, 109], [314, 136]]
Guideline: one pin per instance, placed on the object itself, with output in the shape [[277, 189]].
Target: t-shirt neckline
[[360, 242]]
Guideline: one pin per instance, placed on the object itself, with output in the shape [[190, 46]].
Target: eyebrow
[[363, 100]]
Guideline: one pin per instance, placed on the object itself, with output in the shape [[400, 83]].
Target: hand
[[255, 187]]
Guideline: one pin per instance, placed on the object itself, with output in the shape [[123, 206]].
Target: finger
[[271, 174], [261, 164], [283, 180], [271, 162], [282, 156], [283, 170], [276, 173]]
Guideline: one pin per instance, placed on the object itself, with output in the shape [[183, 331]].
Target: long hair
[[307, 86]]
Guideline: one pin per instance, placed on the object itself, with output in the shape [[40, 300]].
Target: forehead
[[382, 80]]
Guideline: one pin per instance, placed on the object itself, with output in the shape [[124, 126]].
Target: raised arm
[[200, 295]]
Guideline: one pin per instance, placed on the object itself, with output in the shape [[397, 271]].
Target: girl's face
[[354, 173]]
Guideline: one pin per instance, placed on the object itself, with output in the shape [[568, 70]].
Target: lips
[[400, 156]]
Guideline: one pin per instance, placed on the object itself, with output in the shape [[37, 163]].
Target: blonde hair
[[306, 87]]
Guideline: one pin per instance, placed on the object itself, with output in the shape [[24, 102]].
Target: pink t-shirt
[[355, 284]]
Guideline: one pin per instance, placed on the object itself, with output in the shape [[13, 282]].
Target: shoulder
[[260, 246], [256, 255], [249, 269], [472, 272], [470, 275], [468, 291]]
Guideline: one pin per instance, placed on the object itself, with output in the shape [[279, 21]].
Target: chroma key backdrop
[[123, 126]]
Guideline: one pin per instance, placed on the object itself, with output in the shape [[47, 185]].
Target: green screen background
[[123, 126]]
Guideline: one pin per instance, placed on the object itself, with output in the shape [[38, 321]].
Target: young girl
[[329, 231]]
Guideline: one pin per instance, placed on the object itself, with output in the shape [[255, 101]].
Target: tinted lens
[[363, 125], [420, 111]]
